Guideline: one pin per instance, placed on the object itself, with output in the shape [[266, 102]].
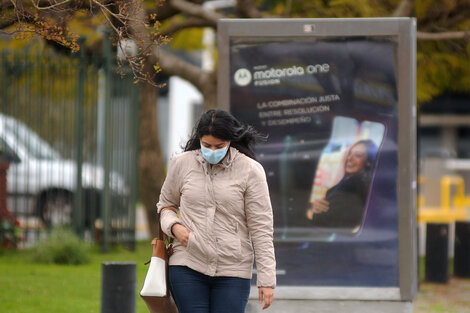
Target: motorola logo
[[242, 77]]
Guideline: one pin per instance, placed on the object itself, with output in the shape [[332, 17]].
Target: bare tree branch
[[247, 8], [173, 65], [405, 8], [5, 4], [107, 14], [191, 22], [48, 5], [168, 62], [443, 35], [196, 10], [164, 10]]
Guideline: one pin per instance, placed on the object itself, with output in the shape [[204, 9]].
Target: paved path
[[453, 297]]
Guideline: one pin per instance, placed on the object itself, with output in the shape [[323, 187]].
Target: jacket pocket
[[229, 248], [194, 247]]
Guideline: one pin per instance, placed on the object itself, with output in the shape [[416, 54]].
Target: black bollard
[[118, 286], [462, 249], [437, 253]]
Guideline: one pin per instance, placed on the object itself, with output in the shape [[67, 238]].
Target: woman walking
[[215, 202]]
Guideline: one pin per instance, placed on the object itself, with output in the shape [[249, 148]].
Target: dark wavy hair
[[224, 126]]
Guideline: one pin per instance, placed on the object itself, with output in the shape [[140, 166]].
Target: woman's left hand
[[266, 294], [320, 206]]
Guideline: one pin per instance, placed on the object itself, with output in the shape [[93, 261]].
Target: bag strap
[[162, 240], [159, 249], [164, 237]]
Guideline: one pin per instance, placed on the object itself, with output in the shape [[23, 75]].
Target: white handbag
[[155, 291], [155, 281]]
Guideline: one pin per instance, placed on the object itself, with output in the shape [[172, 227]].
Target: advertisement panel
[[329, 106]]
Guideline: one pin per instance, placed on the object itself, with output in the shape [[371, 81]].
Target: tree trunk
[[209, 91], [405, 8], [151, 164]]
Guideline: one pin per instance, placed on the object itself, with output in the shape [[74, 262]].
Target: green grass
[[27, 287]]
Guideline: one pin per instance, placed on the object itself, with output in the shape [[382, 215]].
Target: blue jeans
[[198, 293]]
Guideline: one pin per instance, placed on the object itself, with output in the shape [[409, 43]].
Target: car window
[[32, 143]]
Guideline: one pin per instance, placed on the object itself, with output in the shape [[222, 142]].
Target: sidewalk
[[453, 297]]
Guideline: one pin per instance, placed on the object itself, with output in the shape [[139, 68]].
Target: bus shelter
[[336, 98]]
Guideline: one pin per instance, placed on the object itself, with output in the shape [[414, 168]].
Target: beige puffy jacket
[[227, 209]]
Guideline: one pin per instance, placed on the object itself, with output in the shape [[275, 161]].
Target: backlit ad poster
[[329, 107]]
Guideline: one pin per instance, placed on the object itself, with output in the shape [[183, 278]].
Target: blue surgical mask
[[214, 156]]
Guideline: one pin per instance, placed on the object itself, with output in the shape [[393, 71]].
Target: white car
[[42, 183]]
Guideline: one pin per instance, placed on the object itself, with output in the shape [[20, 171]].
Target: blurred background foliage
[[442, 65]]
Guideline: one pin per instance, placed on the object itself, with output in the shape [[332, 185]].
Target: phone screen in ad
[[344, 174]]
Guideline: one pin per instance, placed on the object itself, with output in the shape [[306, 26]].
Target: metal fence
[[68, 134]]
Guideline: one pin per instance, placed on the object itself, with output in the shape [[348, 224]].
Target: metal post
[[105, 199], [77, 208], [135, 108], [118, 285], [462, 249], [437, 253]]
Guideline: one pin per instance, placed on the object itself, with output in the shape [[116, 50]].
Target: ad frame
[[404, 29]]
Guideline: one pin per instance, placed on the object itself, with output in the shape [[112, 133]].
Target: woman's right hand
[[320, 206], [181, 233]]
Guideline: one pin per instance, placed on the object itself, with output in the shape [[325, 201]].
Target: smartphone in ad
[[344, 175]]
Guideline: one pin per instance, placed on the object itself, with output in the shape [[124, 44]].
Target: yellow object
[[447, 212]]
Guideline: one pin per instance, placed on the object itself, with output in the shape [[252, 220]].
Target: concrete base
[[329, 306]]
